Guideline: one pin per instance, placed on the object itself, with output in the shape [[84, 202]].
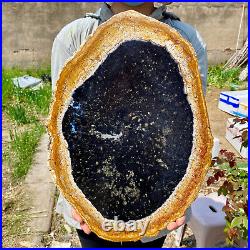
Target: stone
[[130, 138]]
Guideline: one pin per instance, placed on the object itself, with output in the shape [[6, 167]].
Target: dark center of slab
[[129, 129]]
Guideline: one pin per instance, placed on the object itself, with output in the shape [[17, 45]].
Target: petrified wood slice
[[129, 130]]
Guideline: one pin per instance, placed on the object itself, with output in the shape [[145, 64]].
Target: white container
[[207, 220], [235, 131], [234, 102]]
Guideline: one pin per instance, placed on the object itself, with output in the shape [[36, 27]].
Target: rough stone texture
[[30, 28], [122, 127], [41, 190]]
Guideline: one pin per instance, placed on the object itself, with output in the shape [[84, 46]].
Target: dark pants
[[92, 240]]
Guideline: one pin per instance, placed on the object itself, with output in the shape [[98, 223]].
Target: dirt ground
[[15, 203], [61, 234], [218, 118]]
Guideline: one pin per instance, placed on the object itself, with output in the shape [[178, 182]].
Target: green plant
[[19, 114], [39, 99], [34, 102], [221, 78], [26, 109], [22, 148], [234, 177]]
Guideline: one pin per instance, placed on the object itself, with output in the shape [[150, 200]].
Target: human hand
[[83, 225], [174, 225]]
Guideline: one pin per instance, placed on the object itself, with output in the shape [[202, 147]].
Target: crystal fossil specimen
[[130, 136]]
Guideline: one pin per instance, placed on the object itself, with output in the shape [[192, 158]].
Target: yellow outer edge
[[127, 26]]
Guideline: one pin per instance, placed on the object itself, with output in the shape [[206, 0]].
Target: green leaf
[[245, 222], [241, 210], [222, 190], [228, 224], [236, 222]]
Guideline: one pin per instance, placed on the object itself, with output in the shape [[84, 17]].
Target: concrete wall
[[29, 28], [218, 24]]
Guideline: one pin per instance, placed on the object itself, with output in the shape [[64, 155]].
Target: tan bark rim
[[130, 25]]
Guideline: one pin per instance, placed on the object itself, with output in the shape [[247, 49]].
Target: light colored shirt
[[73, 35]]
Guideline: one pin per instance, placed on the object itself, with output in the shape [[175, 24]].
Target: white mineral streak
[[114, 137], [162, 163], [111, 137]]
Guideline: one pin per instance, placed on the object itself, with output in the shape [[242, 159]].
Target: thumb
[[85, 228], [76, 216]]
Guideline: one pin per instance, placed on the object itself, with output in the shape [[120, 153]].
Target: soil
[[15, 203], [5, 140], [218, 118]]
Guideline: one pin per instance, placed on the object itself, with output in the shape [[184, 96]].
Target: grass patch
[[24, 106], [220, 78], [24, 112], [21, 149], [20, 115]]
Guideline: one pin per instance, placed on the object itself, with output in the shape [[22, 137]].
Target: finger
[[181, 221], [76, 216], [172, 226], [85, 228]]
